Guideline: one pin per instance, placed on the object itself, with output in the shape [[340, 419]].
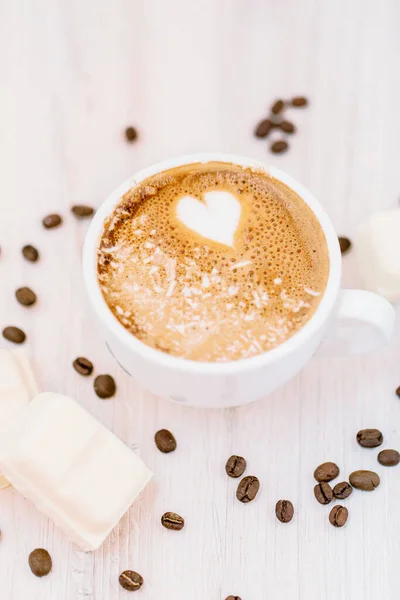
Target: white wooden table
[[196, 76]]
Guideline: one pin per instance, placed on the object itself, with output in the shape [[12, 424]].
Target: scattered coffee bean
[[364, 480], [326, 472], [263, 128], [104, 386], [323, 492], [279, 146], [131, 581], [299, 101], [14, 334], [248, 489], [345, 244], [52, 221], [369, 438], [235, 466], [342, 490], [277, 107], [81, 211], [389, 458], [40, 562], [398, 391], [25, 296], [165, 441], [83, 366], [284, 511], [30, 253], [233, 598], [131, 134], [287, 127], [338, 516], [171, 520]]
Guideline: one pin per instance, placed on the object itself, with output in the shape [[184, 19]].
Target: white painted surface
[[192, 77]]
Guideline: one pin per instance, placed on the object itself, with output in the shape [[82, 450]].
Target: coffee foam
[[215, 288]]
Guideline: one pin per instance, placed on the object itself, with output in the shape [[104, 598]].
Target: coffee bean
[[299, 101], [52, 221], [345, 244], [14, 334], [263, 128], [247, 489], [165, 441], [104, 386], [171, 520], [40, 562], [342, 490], [25, 296], [338, 516], [287, 127], [131, 134], [364, 480], [277, 107], [81, 211], [279, 146], [83, 366], [369, 438], [323, 492], [131, 581], [284, 511], [398, 391], [30, 253], [235, 466], [326, 472], [389, 458], [233, 598]]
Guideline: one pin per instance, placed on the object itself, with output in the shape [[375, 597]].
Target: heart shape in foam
[[216, 219]]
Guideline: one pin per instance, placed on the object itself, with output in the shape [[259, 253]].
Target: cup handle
[[364, 322]]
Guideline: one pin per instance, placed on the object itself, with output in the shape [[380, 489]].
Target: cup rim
[[158, 357]]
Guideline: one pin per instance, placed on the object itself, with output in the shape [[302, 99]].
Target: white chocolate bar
[[71, 467], [378, 250], [17, 388]]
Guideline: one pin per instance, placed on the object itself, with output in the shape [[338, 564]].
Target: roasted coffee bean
[[284, 511], [279, 146], [40, 562], [345, 244], [52, 221], [30, 253], [398, 391], [233, 598], [342, 490], [235, 466], [25, 296], [247, 489], [263, 128], [83, 366], [364, 480], [287, 127], [131, 134], [171, 520], [326, 472], [104, 386], [323, 492], [81, 211], [14, 334], [165, 441], [277, 107], [369, 438], [338, 516], [389, 458], [299, 101], [131, 581]]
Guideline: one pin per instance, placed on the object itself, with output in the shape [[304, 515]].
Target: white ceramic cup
[[353, 321]]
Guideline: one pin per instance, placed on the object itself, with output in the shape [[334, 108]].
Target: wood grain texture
[[196, 76]]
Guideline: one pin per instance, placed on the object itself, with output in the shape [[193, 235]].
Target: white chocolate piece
[[17, 388], [378, 249], [72, 468]]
